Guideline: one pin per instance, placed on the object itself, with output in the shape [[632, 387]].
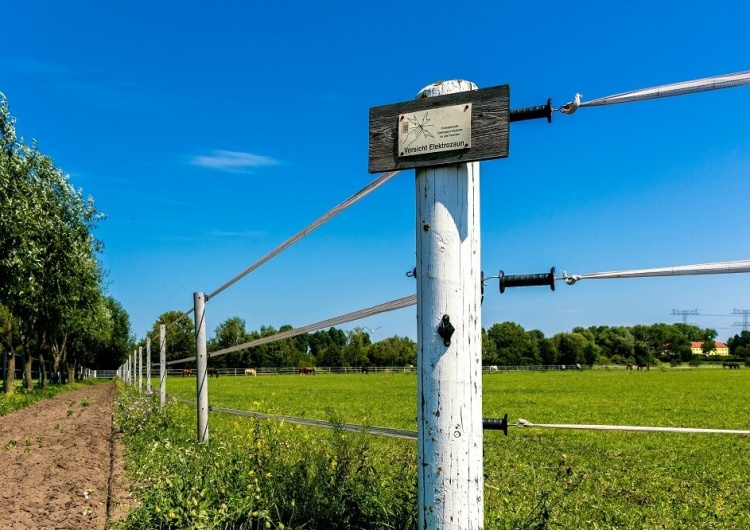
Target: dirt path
[[61, 463]]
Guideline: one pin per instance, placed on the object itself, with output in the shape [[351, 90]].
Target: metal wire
[[399, 303], [721, 267], [662, 91], [412, 435], [524, 423], [372, 186]]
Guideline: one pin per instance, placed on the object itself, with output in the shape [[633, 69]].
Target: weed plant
[[23, 398], [259, 474]]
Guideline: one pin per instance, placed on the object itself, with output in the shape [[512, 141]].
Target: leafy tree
[[179, 337], [229, 333], [695, 333], [571, 348], [356, 349], [615, 341], [489, 349], [394, 351], [120, 343], [332, 355], [548, 352], [708, 346], [511, 342], [739, 345], [50, 281]]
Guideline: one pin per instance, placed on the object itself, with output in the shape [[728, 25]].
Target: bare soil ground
[[61, 464]]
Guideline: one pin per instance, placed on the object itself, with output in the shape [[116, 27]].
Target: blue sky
[[209, 133]]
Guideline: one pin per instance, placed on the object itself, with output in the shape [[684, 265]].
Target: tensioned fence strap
[[412, 435], [310, 422], [372, 186], [721, 267], [662, 91], [524, 423], [399, 303]]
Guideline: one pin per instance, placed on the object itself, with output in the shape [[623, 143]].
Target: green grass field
[[549, 478]]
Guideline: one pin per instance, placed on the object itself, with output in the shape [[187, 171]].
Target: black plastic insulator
[[496, 424], [526, 280], [533, 113], [446, 329]]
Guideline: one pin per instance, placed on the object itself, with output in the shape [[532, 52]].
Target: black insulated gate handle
[[526, 280], [533, 113]]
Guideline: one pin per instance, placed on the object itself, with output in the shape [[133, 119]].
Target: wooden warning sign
[[450, 129]]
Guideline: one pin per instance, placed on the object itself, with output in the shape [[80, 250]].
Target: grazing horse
[[493, 369], [212, 372], [730, 365], [642, 366], [307, 370], [187, 372], [250, 371], [629, 367], [364, 370]]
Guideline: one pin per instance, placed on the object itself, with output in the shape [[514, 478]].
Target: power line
[[745, 321], [684, 314]]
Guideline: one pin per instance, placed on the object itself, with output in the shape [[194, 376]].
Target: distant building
[[720, 349]]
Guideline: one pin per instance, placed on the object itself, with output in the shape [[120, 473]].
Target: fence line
[[309, 422], [488, 423], [399, 303]]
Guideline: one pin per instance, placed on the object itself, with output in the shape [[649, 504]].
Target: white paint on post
[[201, 362], [162, 365], [148, 365], [449, 406], [140, 369]]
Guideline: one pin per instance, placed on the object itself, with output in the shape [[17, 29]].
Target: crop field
[[552, 478]]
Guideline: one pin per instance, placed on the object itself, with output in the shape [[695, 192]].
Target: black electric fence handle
[[526, 280]]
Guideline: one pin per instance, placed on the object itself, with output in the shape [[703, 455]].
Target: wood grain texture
[[490, 118]]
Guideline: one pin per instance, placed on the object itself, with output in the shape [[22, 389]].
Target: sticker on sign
[[435, 130]]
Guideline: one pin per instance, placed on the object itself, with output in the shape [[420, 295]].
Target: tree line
[[54, 313], [505, 343], [332, 347], [510, 344]]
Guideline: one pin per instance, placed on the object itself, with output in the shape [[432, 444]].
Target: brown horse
[[212, 372], [187, 372], [307, 370], [629, 367], [641, 366]]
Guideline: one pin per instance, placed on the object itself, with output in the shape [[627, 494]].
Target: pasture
[[540, 478]]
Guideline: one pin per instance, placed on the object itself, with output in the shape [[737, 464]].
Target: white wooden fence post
[[162, 365], [201, 362], [140, 369], [449, 406], [148, 365]]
